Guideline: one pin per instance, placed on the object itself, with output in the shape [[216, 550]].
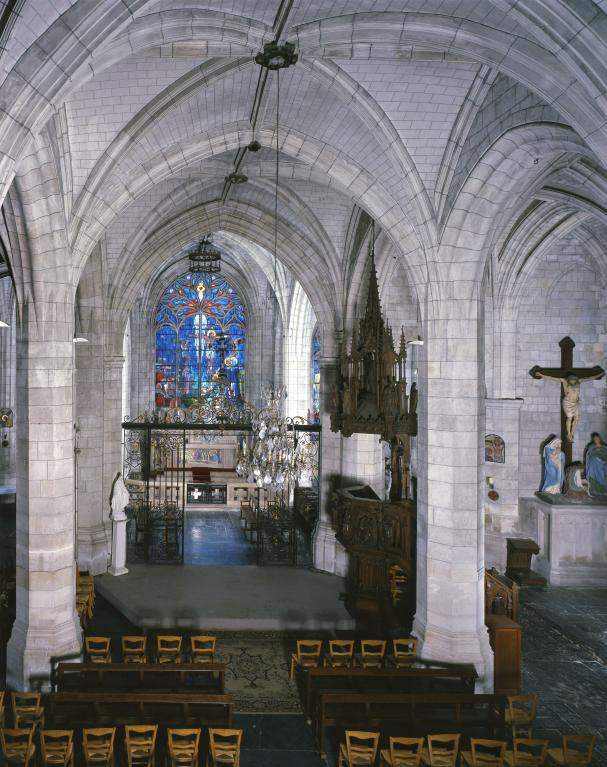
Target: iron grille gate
[[156, 473]]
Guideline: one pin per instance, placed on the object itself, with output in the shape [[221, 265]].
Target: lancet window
[[200, 326]]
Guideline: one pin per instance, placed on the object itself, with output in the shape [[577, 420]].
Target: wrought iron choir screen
[[163, 479]]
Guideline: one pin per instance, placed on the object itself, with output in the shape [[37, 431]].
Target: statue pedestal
[[118, 545], [572, 538]]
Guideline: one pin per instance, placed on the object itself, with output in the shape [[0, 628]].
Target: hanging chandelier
[[206, 257], [278, 453], [270, 457], [274, 456]]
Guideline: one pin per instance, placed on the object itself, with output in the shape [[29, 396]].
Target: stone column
[[141, 362], [92, 535], [112, 429], [7, 381], [449, 620], [46, 624], [329, 554], [362, 462]]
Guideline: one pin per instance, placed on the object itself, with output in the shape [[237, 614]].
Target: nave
[[568, 672]]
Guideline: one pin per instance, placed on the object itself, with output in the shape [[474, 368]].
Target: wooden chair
[[27, 711], [182, 747], [168, 648], [57, 748], [527, 752], [398, 583], [98, 746], [202, 648], [442, 750], [520, 714], [403, 752], [341, 653], [18, 747], [307, 654], [85, 597], [140, 744], [404, 651], [575, 751], [134, 649], [359, 750], [485, 753], [224, 747], [97, 649], [2, 712], [372, 653]]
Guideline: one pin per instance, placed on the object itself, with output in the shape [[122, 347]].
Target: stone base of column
[[329, 555], [117, 570], [93, 549], [457, 647], [31, 651]]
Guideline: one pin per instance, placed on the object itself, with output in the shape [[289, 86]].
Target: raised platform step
[[237, 598]]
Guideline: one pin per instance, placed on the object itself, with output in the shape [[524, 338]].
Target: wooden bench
[[169, 709], [415, 678], [124, 677], [411, 714]]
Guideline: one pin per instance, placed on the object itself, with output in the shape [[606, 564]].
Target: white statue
[[570, 400], [119, 497], [119, 500]]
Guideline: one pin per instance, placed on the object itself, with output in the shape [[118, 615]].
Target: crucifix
[[571, 380]]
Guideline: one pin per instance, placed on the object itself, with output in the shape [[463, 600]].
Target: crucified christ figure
[[570, 399]]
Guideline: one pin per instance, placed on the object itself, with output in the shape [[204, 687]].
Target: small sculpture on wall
[[554, 466], [595, 459], [495, 449]]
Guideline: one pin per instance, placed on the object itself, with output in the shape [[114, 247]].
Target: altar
[[572, 538]]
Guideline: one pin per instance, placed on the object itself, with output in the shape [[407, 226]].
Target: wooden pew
[[420, 677], [413, 714], [124, 677], [169, 709]]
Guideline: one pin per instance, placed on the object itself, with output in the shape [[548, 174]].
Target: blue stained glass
[[315, 379], [200, 332]]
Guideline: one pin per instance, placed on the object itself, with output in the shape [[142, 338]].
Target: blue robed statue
[[554, 467], [596, 466]]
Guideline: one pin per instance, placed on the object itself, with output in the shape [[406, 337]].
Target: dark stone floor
[[564, 652], [216, 538]]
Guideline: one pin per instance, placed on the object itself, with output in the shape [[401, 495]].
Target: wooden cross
[[560, 374]]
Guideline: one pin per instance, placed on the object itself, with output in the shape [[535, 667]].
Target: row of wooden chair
[[98, 747], [168, 649], [85, 597], [340, 653], [361, 749], [26, 709]]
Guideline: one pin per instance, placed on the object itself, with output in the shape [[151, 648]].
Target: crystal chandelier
[[269, 459]]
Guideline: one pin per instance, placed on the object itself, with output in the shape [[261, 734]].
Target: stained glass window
[[200, 336], [315, 379]]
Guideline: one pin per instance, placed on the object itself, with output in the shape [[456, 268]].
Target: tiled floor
[[562, 631], [216, 537]]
